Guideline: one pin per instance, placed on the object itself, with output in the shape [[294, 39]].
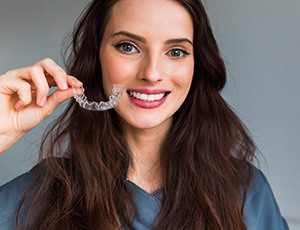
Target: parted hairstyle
[[84, 156]]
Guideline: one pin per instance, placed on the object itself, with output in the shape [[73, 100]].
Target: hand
[[24, 99]]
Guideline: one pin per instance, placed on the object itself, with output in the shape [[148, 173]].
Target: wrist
[[7, 140]]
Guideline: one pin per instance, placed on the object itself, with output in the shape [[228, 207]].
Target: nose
[[151, 69]]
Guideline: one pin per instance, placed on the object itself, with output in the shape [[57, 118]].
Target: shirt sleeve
[[11, 194], [261, 209]]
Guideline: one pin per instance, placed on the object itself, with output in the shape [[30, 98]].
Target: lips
[[147, 98]]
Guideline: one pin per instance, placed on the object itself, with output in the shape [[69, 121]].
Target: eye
[[126, 47], [178, 53]]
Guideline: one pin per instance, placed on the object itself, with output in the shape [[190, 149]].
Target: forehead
[[151, 17]]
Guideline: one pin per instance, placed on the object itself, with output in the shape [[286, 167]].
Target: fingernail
[[42, 101], [74, 83], [78, 82], [64, 85]]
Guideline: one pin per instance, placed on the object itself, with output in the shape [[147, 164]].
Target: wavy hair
[[81, 181]]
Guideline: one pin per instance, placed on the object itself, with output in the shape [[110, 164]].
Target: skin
[[148, 48], [24, 98]]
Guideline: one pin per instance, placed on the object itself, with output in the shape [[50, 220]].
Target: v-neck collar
[[148, 205], [157, 193]]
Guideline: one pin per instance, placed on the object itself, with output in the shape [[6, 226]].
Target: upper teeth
[[147, 97]]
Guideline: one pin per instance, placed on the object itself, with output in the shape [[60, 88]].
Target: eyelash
[[121, 45], [183, 53]]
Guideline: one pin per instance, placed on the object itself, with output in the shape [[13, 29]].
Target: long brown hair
[[81, 182]]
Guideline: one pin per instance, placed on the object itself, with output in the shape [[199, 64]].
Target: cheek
[[114, 71], [184, 76], [111, 70]]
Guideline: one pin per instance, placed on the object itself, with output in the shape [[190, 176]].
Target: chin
[[145, 120], [151, 124]]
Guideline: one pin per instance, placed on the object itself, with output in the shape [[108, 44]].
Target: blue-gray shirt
[[262, 212]]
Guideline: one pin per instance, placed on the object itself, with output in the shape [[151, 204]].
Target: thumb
[[55, 99]]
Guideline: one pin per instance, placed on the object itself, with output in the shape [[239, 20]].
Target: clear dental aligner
[[82, 100]]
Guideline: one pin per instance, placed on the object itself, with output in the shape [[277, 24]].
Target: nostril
[[151, 74], [151, 79]]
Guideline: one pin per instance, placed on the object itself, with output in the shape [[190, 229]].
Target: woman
[[171, 155]]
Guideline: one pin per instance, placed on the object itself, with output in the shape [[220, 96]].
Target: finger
[[40, 84], [23, 73], [42, 97], [55, 99], [22, 89], [55, 71], [54, 74], [74, 82], [71, 81]]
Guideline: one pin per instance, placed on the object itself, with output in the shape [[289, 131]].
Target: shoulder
[[261, 209], [11, 194]]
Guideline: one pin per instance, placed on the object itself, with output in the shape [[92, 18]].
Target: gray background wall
[[259, 40]]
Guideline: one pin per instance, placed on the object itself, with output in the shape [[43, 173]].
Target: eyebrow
[[178, 40], [141, 39], [130, 35]]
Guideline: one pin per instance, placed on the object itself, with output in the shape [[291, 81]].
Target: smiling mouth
[[148, 97]]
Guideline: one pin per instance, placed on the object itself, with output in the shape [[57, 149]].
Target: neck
[[145, 167]]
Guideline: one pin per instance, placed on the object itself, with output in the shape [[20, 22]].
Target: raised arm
[[25, 99]]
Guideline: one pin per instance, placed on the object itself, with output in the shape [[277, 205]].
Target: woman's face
[[148, 47]]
